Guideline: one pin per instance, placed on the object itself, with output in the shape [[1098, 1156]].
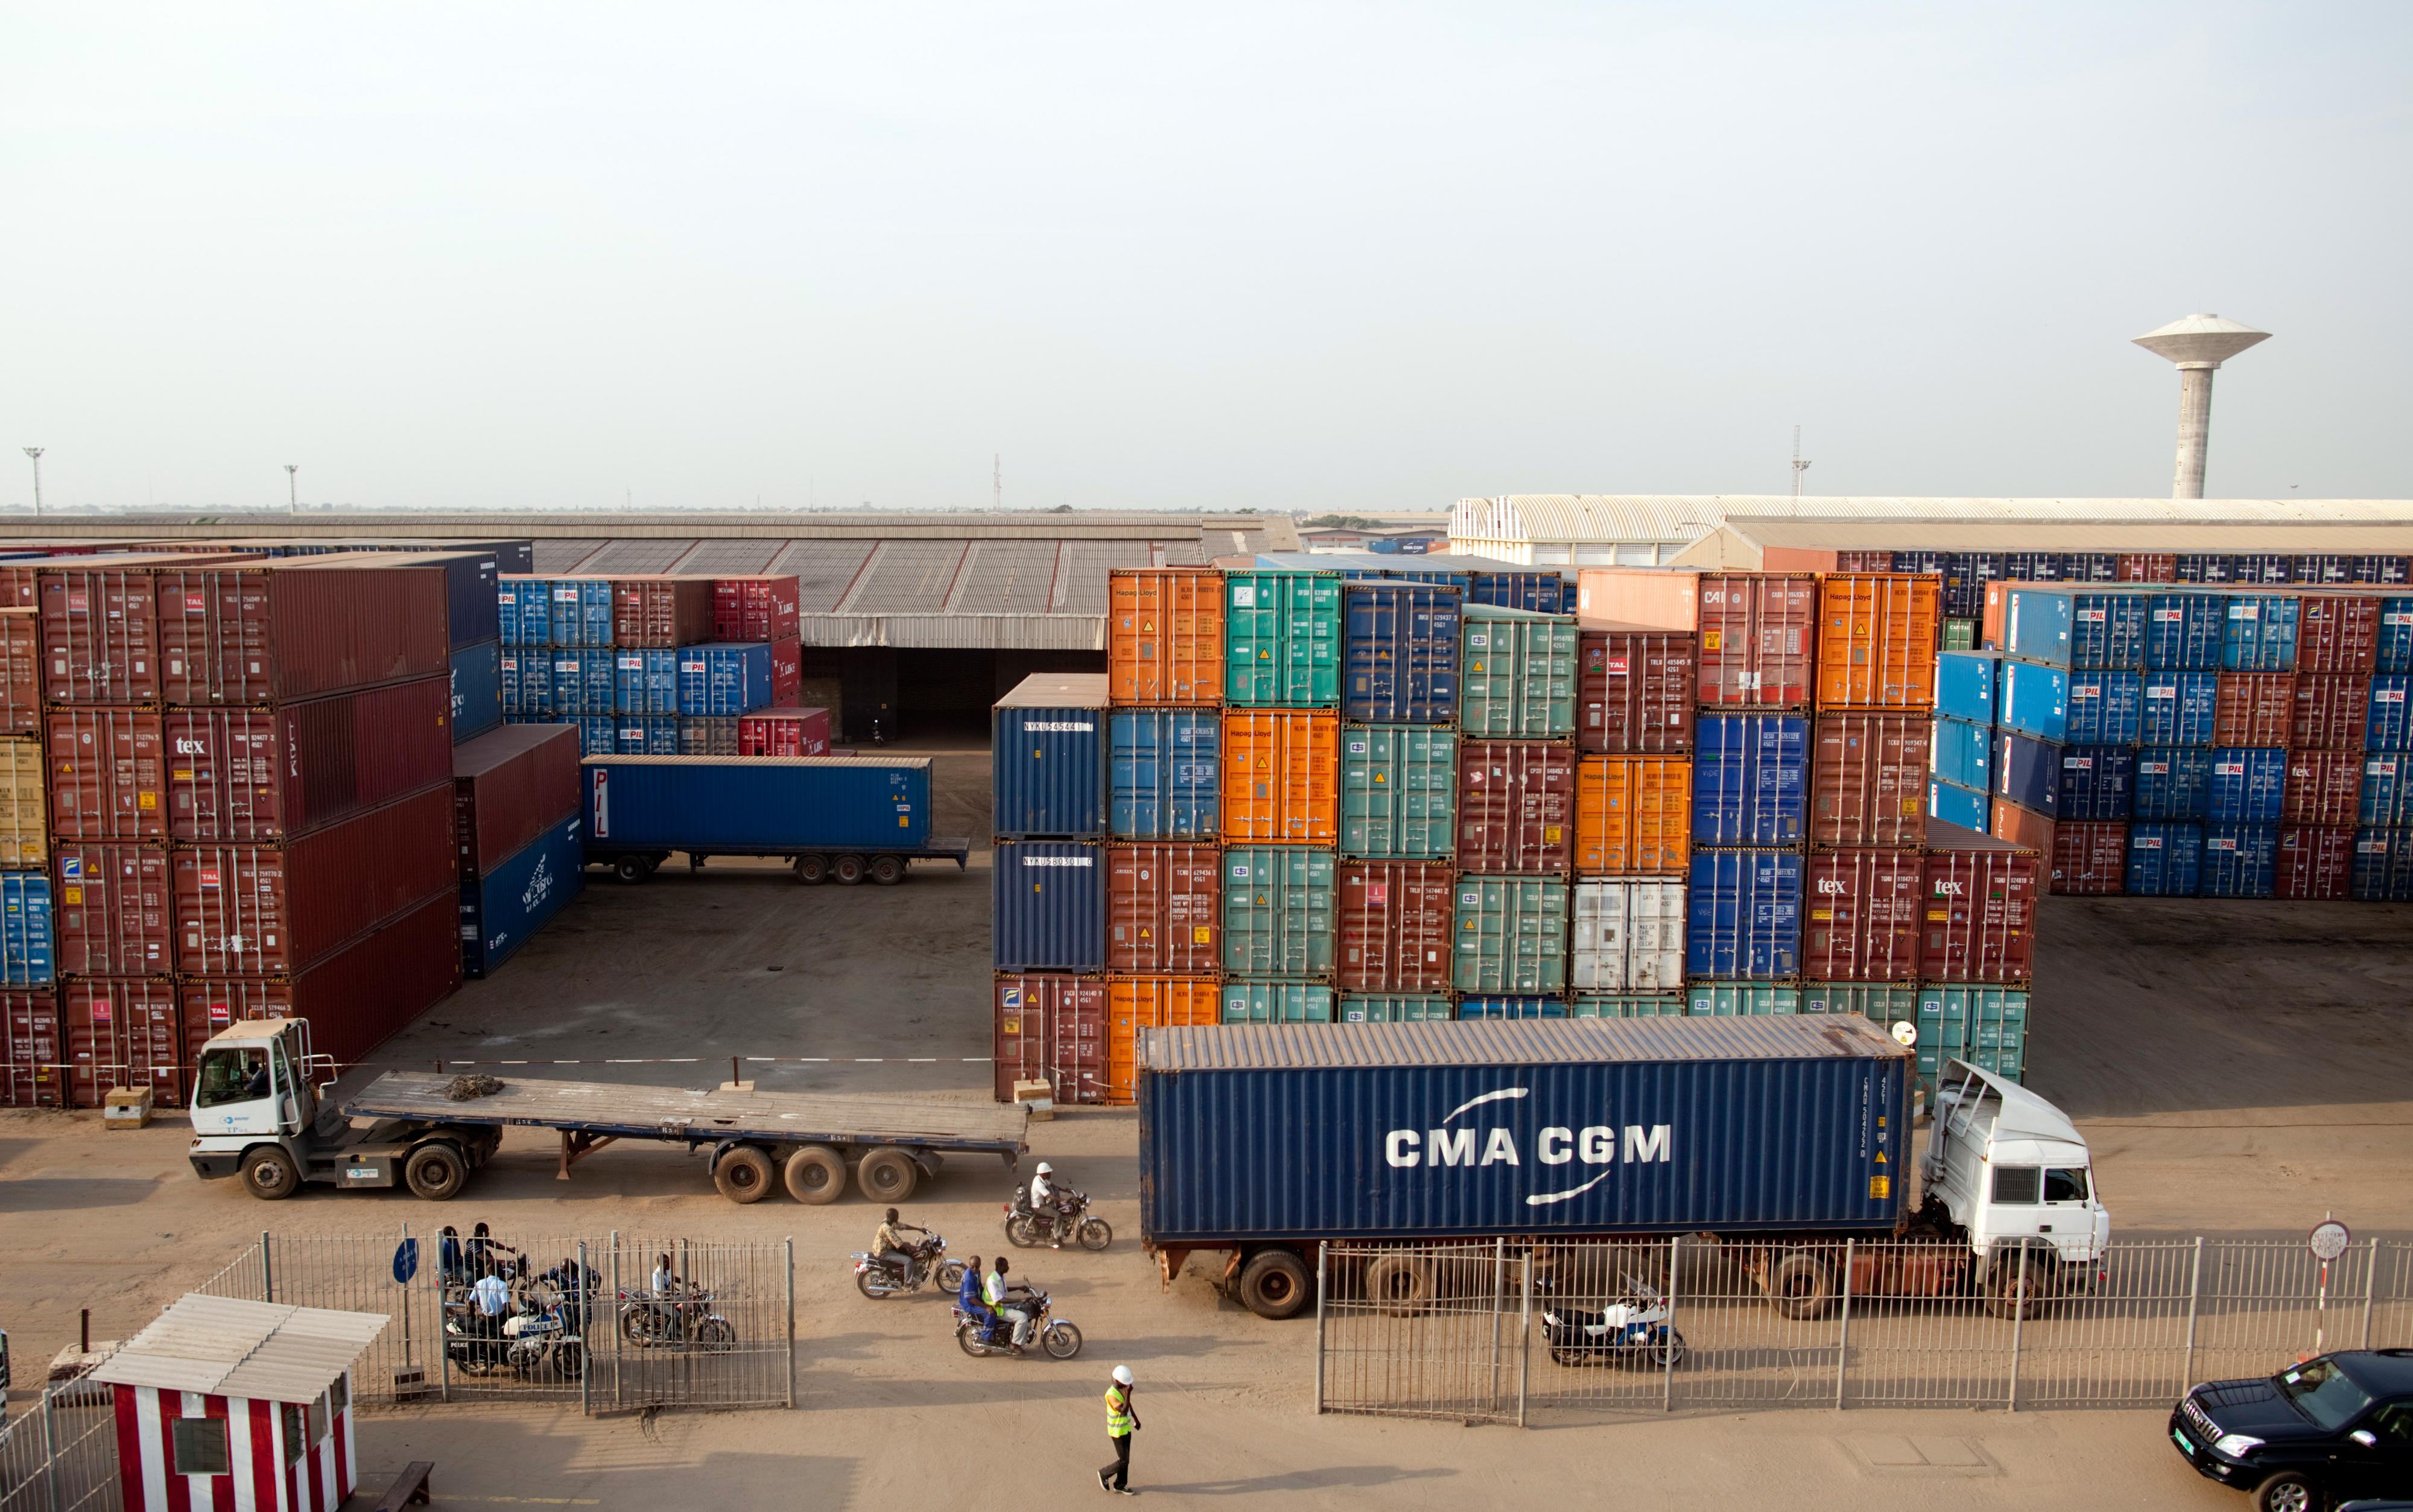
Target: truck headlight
[[2236, 1445]]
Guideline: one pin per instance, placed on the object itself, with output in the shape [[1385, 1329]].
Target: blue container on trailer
[[1398, 653], [1050, 906], [1955, 804], [2098, 782], [1744, 919], [476, 690], [2387, 789], [1430, 1131], [2035, 700], [2184, 631], [2178, 708], [1512, 1007], [2104, 708], [25, 958], [645, 681], [2240, 860], [599, 734], [2165, 860], [2173, 782], [2028, 772], [1047, 755], [2395, 636], [501, 910], [2387, 727], [1751, 779], [1162, 774], [2107, 632], [724, 679], [2248, 785], [2259, 634], [1968, 686], [772, 806], [2383, 866], [645, 735], [1963, 755], [2036, 625], [582, 611]]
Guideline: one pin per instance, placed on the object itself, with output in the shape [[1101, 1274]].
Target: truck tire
[[1801, 1286], [812, 871], [887, 1174], [846, 870], [436, 1172], [888, 870], [743, 1174], [268, 1173], [632, 869], [1274, 1285], [816, 1174], [1402, 1286], [2007, 1297]]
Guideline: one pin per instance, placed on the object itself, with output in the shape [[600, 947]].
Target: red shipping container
[[114, 912], [510, 786], [1980, 907], [1053, 1029], [1868, 782], [100, 626], [1164, 910], [108, 775], [2332, 711], [1759, 639], [758, 606], [262, 633], [274, 773], [17, 585], [122, 1033], [21, 672], [1864, 561], [2254, 708], [2323, 786], [1633, 691], [356, 999], [1861, 915], [2316, 863], [2089, 859], [788, 732], [272, 910], [1396, 921], [2337, 633], [2149, 567], [787, 674], [32, 1073], [661, 611], [1516, 808]]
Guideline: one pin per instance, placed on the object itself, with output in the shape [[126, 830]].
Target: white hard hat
[[1122, 1375], [1045, 1169]]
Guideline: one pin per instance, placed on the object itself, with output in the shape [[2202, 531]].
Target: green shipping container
[[1884, 1005], [1960, 635], [1516, 673], [1399, 786], [1612, 1005], [1276, 1002], [1278, 912], [1281, 639], [1396, 1010], [1731, 1000], [1986, 1026], [1511, 936]]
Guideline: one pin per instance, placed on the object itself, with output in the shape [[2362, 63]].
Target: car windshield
[[2324, 1393], [231, 1076]]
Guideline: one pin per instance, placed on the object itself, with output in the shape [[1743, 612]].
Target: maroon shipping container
[[108, 773], [122, 1033], [356, 999], [1868, 783], [1516, 808], [2149, 567], [1164, 910], [114, 912], [2337, 633], [1395, 923], [1980, 907], [787, 732], [1864, 561], [1635, 692], [661, 611], [100, 629], [787, 674], [275, 909], [2254, 708], [2323, 786], [2090, 860], [263, 634], [1051, 1029], [508, 788], [1759, 639], [1862, 913], [21, 672], [2315, 862], [32, 1074], [759, 606], [2332, 711], [17, 586], [274, 773]]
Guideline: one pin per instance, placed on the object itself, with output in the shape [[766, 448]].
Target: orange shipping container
[[1659, 599], [1633, 815], [1164, 641], [1137, 1003], [1164, 908], [1878, 635], [1282, 771]]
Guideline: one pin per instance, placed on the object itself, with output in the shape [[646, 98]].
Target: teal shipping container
[[1397, 1010], [1883, 1004], [1162, 774], [1281, 639], [1986, 1026], [1512, 1007], [1278, 915], [1625, 1005], [1511, 935], [1399, 786], [1275, 1002], [1516, 673], [1731, 1000]]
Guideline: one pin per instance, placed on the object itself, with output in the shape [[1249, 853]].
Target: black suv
[[2336, 1427]]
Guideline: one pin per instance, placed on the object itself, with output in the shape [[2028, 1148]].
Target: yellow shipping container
[[1137, 1003], [24, 807]]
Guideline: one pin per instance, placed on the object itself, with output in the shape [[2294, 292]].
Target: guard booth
[[238, 1406]]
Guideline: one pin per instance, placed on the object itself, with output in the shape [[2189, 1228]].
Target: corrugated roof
[[1739, 544], [221, 1347], [1512, 1042], [1620, 517]]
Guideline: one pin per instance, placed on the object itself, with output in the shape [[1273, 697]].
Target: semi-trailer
[[842, 819], [1781, 1137]]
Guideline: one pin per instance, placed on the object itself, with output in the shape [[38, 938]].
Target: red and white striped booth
[[232, 1406]]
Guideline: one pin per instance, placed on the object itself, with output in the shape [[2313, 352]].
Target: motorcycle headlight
[[2236, 1445]]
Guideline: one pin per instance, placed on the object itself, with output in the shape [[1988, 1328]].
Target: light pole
[[36, 452], [292, 498]]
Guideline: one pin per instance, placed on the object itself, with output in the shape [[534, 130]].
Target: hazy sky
[[1301, 256]]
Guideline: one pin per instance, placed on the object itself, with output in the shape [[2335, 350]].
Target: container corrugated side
[[1134, 1004], [2323, 787], [2315, 862], [1634, 814], [21, 672], [1634, 691], [1164, 636], [812, 803], [1868, 779], [2182, 632], [278, 634], [1876, 640], [1396, 926], [24, 805], [1516, 807], [1517, 674], [2338, 633], [502, 911], [1751, 780], [1741, 1000], [1281, 639], [32, 1074], [1863, 915], [1165, 775], [1052, 1027], [2177, 709], [1270, 1000], [122, 1033], [477, 687], [1511, 935], [2383, 866], [1279, 917], [113, 911], [1399, 786], [2229, 861], [2387, 797], [27, 958], [1050, 906], [1758, 640], [1980, 907], [272, 773], [1048, 772], [108, 773], [508, 788], [1399, 646], [472, 599], [1435, 1009], [1745, 916], [1628, 936], [357, 997], [1163, 909], [1281, 771]]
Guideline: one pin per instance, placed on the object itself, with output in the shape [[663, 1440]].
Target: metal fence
[[1460, 1331], [60, 1454]]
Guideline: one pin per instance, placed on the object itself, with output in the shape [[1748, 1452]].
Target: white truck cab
[[2014, 1173], [254, 1081]]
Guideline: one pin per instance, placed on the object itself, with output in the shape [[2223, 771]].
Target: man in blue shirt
[[967, 1296]]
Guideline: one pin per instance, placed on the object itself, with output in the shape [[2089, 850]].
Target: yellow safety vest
[[1118, 1418]]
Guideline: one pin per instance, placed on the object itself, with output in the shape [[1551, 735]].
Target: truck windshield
[[231, 1076], [2064, 1183], [2324, 1393]]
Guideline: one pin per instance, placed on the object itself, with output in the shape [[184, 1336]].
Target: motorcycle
[[674, 1320], [1027, 1228], [1630, 1330], [877, 1279], [527, 1343], [986, 1333]]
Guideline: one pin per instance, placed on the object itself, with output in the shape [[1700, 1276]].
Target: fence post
[[2018, 1317], [2195, 1294], [586, 1336], [267, 1275], [789, 1246], [49, 1450], [1667, 1381], [1844, 1334], [1322, 1276], [2370, 1285], [1499, 1301], [617, 1330], [1525, 1335]]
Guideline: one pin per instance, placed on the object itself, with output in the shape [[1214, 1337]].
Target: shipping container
[[279, 634], [1047, 752], [1134, 1004], [2106, 708], [2107, 632], [1633, 815], [1863, 561], [1745, 916], [1165, 775], [2383, 569], [2091, 566], [2383, 867], [2338, 633], [1968, 686], [1982, 1026], [2386, 727], [1541, 592], [1625, 1005], [2035, 700], [2323, 787], [1397, 925], [1053, 1029], [1963, 755], [711, 735], [503, 909], [2035, 567], [1275, 1001], [1279, 916], [1398, 653], [2021, 827], [1280, 776], [1628, 936], [2028, 772], [1960, 635], [2238, 860], [2394, 653], [1965, 577], [585, 613], [584, 682], [1635, 690], [732, 805], [525, 608], [2089, 859], [1049, 906], [1652, 599], [122, 1033], [1164, 636], [1758, 639], [644, 682], [108, 776], [2265, 567], [2248, 785], [1398, 788], [724, 680], [2259, 634], [644, 735], [528, 683], [1516, 807], [25, 806], [1883, 1004], [508, 788], [789, 732], [1281, 639], [2184, 631], [1751, 780], [274, 773], [1865, 911], [2148, 566], [662, 612], [2173, 782], [471, 580], [2325, 568], [1934, 562], [32, 1074], [1877, 642], [2332, 711], [1958, 805], [26, 952], [2207, 566], [1163, 909], [2387, 791], [2098, 784], [476, 690], [1512, 1007], [1516, 673], [1511, 935], [21, 672], [100, 625], [754, 607], [112, 911], [1980, 907], [1869, 779], [2254, 709], [2179, 709], [2029, 624], [2315, 862], [787, 674], [1741, 1000], [1435, 1009], [2165, 860]]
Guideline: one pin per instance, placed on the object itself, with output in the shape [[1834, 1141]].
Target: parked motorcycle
[[1630, 1330], [986, 1333], [530, 1343], [674, 1320], [1026, 1227], [877, 1278]]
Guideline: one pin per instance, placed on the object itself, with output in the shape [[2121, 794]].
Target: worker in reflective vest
[[1121, 1422]]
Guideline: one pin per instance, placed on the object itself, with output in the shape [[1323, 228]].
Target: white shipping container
[[1629, 937]]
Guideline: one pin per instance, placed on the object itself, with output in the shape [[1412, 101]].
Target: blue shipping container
[[1512, 1007], [2104, 708], [723, 680], [1745, 916], [2036, 625], [2259, 634], [2249, 785], [582, 611], [1050, 906], [527, 682], [1963, 755], [1162, 773], [1967, 685], [501, 910], [1955, 805], [1398, 649], [1541, 592], [525, 609], [1751, 780], [2184, 631], [2034, 700], [2173, 782], [2265, 566], [2395, 636], [2383, 866], [472, 593], [25, 959], [1435, 1130], [645, 735], [2165, 860], [2091, 566], [476, 690], [2387, 728], [644, 682], [728, 805], [2206, 566], [2177, 709], [2098, 782], [2107, 632], [2387, 791], [1048, 764], [599, 734], [2240, 860], [2028, 772]]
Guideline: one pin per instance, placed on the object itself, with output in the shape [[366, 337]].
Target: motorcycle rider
[[1045, 1197], [1002, 1296], [972, 1295], [889, 1245]]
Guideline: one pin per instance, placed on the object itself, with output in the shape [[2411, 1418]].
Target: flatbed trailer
[[845, 866]]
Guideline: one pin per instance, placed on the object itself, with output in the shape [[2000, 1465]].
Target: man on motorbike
[[1046, 1198], [1001, 1300], [972, 1295], [889, 1245]]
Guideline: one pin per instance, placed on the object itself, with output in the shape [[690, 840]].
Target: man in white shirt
[[491, 1300], [999, 1293]]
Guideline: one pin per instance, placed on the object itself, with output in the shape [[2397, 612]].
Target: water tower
[[2197, 345]]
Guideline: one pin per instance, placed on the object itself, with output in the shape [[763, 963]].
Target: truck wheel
[[632, 869], [1801, 1286], [436, 1172], [816, 1174], [268, 1172], [2010, 1296], [846, 870], [888, 870], [887, 1175], [1274, 1285], [743, 1175], [812, 871], [1400, 1285]]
